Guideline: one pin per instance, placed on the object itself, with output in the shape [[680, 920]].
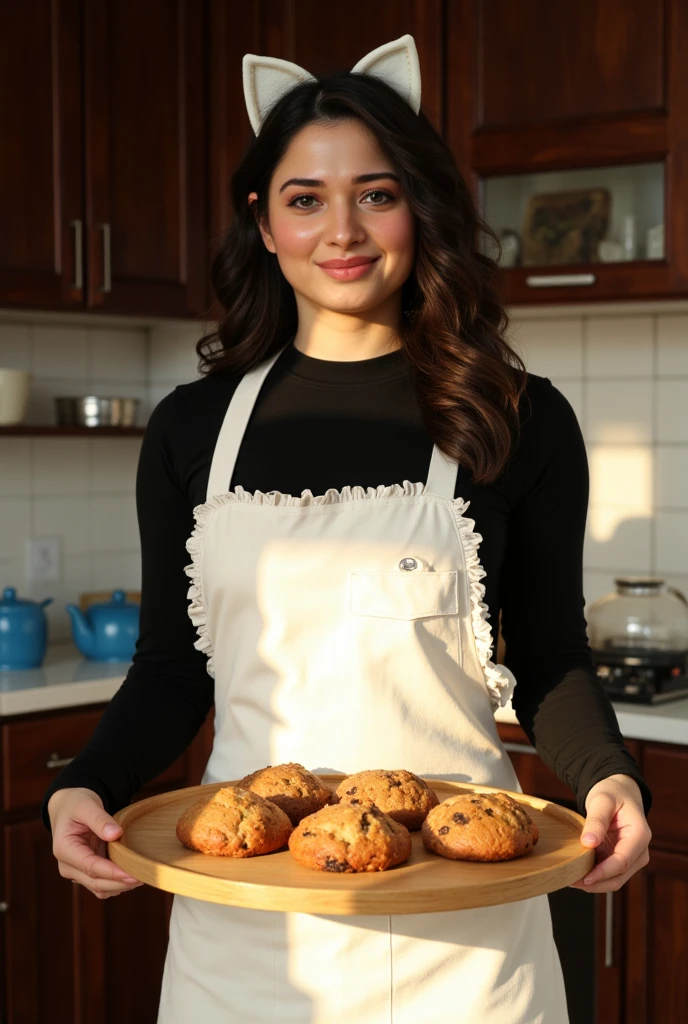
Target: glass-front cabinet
[[578, 229], [554, 222]]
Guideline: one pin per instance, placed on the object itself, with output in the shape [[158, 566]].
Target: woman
[[360, 364]]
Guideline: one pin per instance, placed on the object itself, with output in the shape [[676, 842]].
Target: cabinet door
[[657, 941], [319, 37], [122, 955], [41, 216], [144, 81], [40, 932]]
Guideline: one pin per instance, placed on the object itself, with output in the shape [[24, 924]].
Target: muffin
[[234, 823], [292, 787], [401, 794], [479, 826], [346, 838]]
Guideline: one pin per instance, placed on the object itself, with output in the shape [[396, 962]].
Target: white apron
[[347, 631]]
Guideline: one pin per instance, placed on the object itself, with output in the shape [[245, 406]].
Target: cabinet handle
[[107, 259], [55, 761], [78, 282], [519, 748], [4, 907], [559, 280], [609, 930]]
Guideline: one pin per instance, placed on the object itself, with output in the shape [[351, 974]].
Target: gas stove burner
[[642, 676]]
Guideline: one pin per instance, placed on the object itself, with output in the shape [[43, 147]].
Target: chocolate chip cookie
[[234, 823], [347, 838], [292, 787], [401, 794], [479, 826]]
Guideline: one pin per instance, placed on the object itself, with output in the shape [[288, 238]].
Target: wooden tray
[[150, 851]]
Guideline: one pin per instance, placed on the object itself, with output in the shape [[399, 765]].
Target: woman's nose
[[344, 225]]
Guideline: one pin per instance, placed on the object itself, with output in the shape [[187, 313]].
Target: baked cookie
[[234, 823], [479, 826], [401, 794], [348, 837], [292, 787]]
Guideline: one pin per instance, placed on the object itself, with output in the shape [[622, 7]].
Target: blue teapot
[[107, 631], [23, 631]]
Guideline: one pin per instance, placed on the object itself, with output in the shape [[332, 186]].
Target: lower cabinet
[[625, 954], [67, 957]]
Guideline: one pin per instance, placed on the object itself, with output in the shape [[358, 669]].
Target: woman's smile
[[349, 270]]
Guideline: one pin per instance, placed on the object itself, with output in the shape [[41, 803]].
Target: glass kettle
[[643, 615]]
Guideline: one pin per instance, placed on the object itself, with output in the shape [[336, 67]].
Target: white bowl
[[14, 394]]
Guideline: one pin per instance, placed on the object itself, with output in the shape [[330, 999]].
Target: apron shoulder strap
[[234, 426], [442, 475]]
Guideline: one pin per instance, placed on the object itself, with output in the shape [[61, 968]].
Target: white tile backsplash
[[113, 522], [59, 466], [67, 517], [671, 403], [550, 348], [15, 528], [79, 488], [624, 371], [671, 541], [15, 346], [15, 467], [672, 345], [119, 355], [619, 347], [113, 463], [60, 352], [618, 412], [671, 477], [617, 540]]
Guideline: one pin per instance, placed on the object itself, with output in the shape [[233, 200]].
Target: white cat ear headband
[[267, 79]]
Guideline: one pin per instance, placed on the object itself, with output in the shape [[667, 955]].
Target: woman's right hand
[[81, 829]]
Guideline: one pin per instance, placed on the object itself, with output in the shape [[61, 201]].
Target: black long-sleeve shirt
[[318, 425]]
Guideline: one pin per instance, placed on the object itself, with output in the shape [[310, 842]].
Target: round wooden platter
[[150, 851]]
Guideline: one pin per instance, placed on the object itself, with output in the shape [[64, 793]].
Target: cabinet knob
[[55, 761], [4, 907]]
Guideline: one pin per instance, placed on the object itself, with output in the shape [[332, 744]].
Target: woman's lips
[[350, 270]]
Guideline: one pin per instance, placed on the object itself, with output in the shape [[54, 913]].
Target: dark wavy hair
[[468, 379]]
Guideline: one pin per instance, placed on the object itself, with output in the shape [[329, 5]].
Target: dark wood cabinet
[[145, 157], [539, 87], [67, 957], [41, 171], [103, 180]]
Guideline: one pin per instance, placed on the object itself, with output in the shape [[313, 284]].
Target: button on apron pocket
[[404, 595]]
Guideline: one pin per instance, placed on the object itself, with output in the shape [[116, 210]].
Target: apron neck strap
[[234, 426], [442, 475]]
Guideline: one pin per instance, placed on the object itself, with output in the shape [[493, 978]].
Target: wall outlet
[[44, 559]]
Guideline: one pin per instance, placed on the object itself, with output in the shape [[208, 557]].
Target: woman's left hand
[[617, 827]]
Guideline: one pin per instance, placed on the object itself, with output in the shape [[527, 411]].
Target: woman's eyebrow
[[361, 179]]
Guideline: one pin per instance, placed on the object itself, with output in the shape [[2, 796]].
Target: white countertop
[[664, 723], [66, 679]]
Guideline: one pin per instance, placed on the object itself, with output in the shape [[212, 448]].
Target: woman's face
[[334, 198]]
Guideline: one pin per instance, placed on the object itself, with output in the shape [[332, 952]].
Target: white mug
[[14, 393]]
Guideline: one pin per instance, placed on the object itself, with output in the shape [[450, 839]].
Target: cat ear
[[266, 79], [397, 64]]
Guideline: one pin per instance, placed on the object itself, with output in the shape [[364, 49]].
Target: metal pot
[[93, 411]]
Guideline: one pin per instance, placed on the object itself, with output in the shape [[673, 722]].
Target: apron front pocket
[[404, 595]]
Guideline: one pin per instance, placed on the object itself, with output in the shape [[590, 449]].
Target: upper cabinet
[[103, 181], [41, 171], [571, 120]]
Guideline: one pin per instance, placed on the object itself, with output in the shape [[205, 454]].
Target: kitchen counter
[[65, 679], [664, 723]]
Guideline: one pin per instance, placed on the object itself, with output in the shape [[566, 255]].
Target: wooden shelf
[[24, 430]]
